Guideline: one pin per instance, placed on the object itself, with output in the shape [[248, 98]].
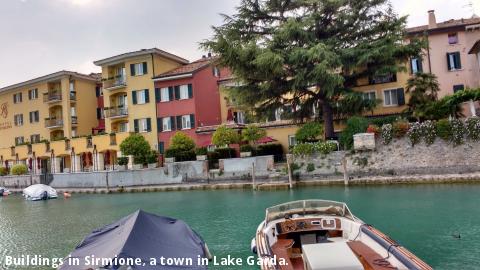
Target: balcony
[[74, 120], [53, 123], [383, 79], [114, 83], [52, 96], [73, 95], [116, 112]]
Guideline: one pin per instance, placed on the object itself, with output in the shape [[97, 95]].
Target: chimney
[[432, 21]]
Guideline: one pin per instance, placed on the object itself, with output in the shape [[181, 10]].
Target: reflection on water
[[423, 218]]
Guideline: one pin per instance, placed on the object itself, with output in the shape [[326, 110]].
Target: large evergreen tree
[[310, 53]]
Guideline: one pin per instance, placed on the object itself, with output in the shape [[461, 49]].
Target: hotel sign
[[4, 115]]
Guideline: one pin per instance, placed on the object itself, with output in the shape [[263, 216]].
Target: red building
[[188, 97]]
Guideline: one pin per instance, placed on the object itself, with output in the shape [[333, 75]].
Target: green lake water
[[423, 218]]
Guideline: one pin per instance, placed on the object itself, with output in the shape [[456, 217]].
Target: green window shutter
[[149, 124], [147, 96], [132, 69], [190, 91], [172, 122], [134, 97], [177, 92], [30, 116], [157, 95], [135, 126], [192, 120], [170, 93], [179, 122], [145, 68], [159, 124], [420, 64], [448, 62], [458, 63], [161, 147], [97, 91], [400, 96]]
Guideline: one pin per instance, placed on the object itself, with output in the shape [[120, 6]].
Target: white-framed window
[[278, 114], [184, 91], [452, 38], [18, 119], [35, 138], [142, 96], [17, 98], [370, 95], [240, 117], [72, 86], [164, 94], [292, 141], [19, 140], [416, 65], [166, 124], [33, 94], [390, 97], [34, 117], [454, 62], [143, 125], [123, 127], [139, 69], [186, 124]]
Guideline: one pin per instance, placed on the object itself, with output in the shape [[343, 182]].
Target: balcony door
[[122, 101], [121, 73]]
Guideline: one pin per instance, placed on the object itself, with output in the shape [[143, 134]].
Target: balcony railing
[[52, 96], [74, 120], [117, 81], [53, 122], [73, 95], [383, 79], [116, 112]]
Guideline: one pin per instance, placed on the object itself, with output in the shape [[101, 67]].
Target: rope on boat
[[384, 261]]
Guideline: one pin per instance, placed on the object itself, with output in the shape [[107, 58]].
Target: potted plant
[[201, 153], [246, 150], [152, 159], [122, 163], [170, 155]]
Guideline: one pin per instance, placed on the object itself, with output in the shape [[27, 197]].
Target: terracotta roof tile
[[446, 24], [188, 68]]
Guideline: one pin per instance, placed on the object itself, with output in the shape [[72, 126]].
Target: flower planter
[[245, 154], [202, 157], [152, 165], [169, 160]]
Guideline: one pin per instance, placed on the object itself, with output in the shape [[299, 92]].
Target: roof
[[475, 48], [444, 25], [121, 57], [187, 69], [50, 77]]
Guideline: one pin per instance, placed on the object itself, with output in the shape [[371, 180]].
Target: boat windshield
[[308, 207]]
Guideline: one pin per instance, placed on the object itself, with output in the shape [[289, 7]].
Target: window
[[35, 138], [140, 96], [100, 113], [292, 141], [239, 117], [383, 79], [33, 94], [142, 125], [18, 119], [458, 87], [164, 94], [166, 124], [72, 86], [216, 72], [123, 127], [369, 95], [19, 140], [161, 147], [17, 98], [34, 117], [74, 132], [278, 114], [186, 124], [453, 38], [416, 65], [98, 91], [453, 61], [183, 91], [138, 69], [394, 97]]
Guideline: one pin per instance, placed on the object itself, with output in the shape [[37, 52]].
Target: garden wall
[[21, 181], [242, 167]]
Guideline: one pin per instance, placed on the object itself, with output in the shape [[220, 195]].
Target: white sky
[[38, 37]]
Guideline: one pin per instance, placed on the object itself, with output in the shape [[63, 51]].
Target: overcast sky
[[38, 37]]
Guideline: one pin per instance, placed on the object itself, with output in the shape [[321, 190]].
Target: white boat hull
[[39, 192]]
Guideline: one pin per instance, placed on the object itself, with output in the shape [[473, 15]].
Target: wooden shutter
[[190, 91], [144, 67], [134, 97], [172, 123], [159, 124], [149, 124], [458, 62], [170, 93], [14, 99], [420, 65], [400, 97], [192, 120], [30, 94], [147, 96], [31, 117], [97, 91], [135, 125], [161, 147], [20, 94], [177, 92], [179, 122], [99, 113], [448, 62], [158, 97], [132, 69]]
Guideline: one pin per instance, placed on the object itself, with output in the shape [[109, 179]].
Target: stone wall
[[21, 181], [242, 167]]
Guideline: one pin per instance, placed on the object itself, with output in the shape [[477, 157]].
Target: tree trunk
[[327, 116]]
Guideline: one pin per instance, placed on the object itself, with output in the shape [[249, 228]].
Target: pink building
[[447, 56]]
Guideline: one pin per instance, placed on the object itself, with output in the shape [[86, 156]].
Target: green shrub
[[122, 161], [325, 147], [274, 149], [444, 129], [3, 171], [387, 133], [252, 133], [310, 167], [246, 148], [201, 151], [303, 149], [309, 132], [152, 157], [19, 169], [458, 131], [414, 133], [182, 141], [429, 132], [383, 120], [224, 136], [472, 126], [136, 146], [400, 128], [226, 152], [354, 125], [180, 155]]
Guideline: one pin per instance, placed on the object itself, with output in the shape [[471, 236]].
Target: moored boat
[[39, 192], [4, 191], [321, 234]]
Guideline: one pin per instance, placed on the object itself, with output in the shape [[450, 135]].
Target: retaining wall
[[21, 181], [242, 167]]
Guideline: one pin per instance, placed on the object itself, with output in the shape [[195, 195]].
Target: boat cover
[[3, 190], [39, 192], [144, 236]]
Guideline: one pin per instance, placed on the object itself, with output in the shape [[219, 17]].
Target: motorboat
[[4, 191], [39, 192], [140, 241], [321, 234]]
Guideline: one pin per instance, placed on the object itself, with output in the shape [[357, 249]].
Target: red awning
[[266, 139]]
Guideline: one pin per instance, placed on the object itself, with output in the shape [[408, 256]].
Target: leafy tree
[[225, 136], [423, 89], [354, 125], [136, 146], [182, 141], [450, 105], [309, 132], [310, 53], [253, 133], [19, 169]]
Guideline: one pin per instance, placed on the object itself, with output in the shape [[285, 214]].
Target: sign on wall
[[4, 115]]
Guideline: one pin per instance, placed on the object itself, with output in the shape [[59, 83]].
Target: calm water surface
[[420, 217]]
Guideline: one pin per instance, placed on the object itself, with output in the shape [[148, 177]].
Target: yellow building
[[129, 92]]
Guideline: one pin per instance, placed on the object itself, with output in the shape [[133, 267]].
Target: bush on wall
[[19, 169], [387, 133], [429, 132], [472, 126], [354, 125]]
